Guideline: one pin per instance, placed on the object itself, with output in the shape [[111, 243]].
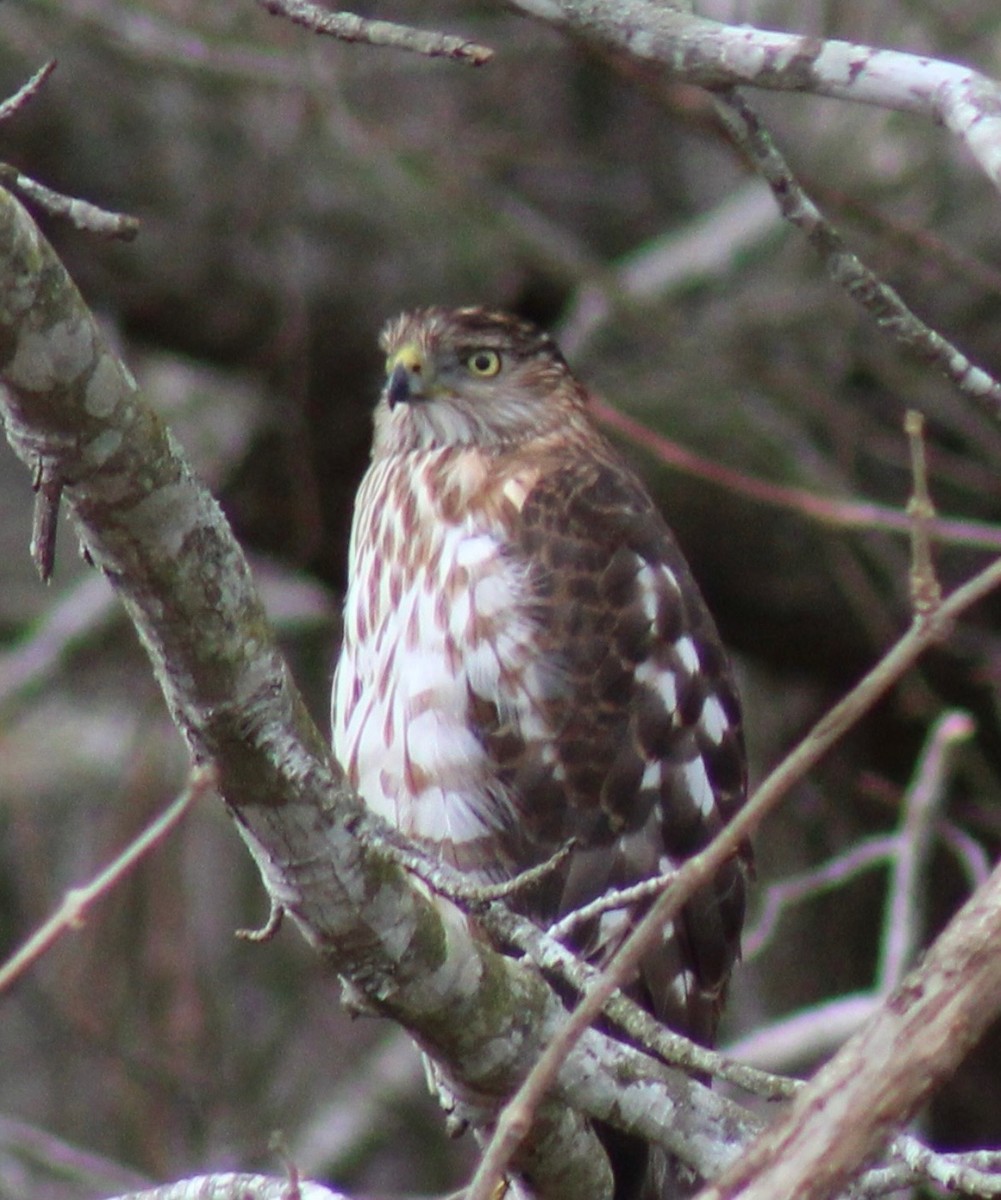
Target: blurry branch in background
[[93, 1173], [699, 51], [78, 901], [817, 1031], [845, 268], [717, 56], [347, 27], [27, 91], [706, 248], [837, 512], [80, 213]]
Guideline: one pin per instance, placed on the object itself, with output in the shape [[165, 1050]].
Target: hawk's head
[[468, 376]]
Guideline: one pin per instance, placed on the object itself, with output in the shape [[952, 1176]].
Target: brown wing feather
[[641, 695]]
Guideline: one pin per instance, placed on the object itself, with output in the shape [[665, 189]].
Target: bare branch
[[832, 511], [81, 214], [939, 1012], [845, 268], [612, 899], [975, 1172], [714, 55], [236, 1187], [27, 92], [72, 913], [348, 27], [926, 591], [901, 933]]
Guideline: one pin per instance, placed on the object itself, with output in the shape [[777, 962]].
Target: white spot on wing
[[652, 776], [650, 675], [646, 579], [699, 787], [713, 719], [652, 582], [685, 650]]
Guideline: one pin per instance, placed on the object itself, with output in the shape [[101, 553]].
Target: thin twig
[[844, 267], [926, 591], [616, 898], [468, 893], [348, 27], [674, 1049], [874, 852], [72, 912], [973, 1172], [699, 870], [81, 214], [45, 522], [269, 930], [903, 909], [27, 92], [827, 510]]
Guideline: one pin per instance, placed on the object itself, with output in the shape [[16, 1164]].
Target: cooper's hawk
[[527, 658]]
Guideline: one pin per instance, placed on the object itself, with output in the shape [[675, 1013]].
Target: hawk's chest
[[436, 622]]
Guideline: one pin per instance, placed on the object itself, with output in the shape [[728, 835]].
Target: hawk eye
[[484, 363]]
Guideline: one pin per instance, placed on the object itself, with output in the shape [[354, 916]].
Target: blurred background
[[294, 193]]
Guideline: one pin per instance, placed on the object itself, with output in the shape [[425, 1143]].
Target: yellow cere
[[409, 357]]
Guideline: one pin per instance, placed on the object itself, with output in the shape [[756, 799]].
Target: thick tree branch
[[715, 55], [886, 1071]]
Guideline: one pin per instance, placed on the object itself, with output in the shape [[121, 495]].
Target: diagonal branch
[[845, 267], [886, 1071]]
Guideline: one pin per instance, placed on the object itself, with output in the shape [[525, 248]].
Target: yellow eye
[[484, 363]]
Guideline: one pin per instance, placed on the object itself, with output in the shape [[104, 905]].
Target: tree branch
[[348, 27], [886, 1070], [77, 902], [845, 267], [715, 55]]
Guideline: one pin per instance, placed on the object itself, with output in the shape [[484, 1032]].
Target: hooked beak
[[407, 380]]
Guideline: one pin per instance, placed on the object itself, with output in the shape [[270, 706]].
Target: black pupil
[[483, 362]]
